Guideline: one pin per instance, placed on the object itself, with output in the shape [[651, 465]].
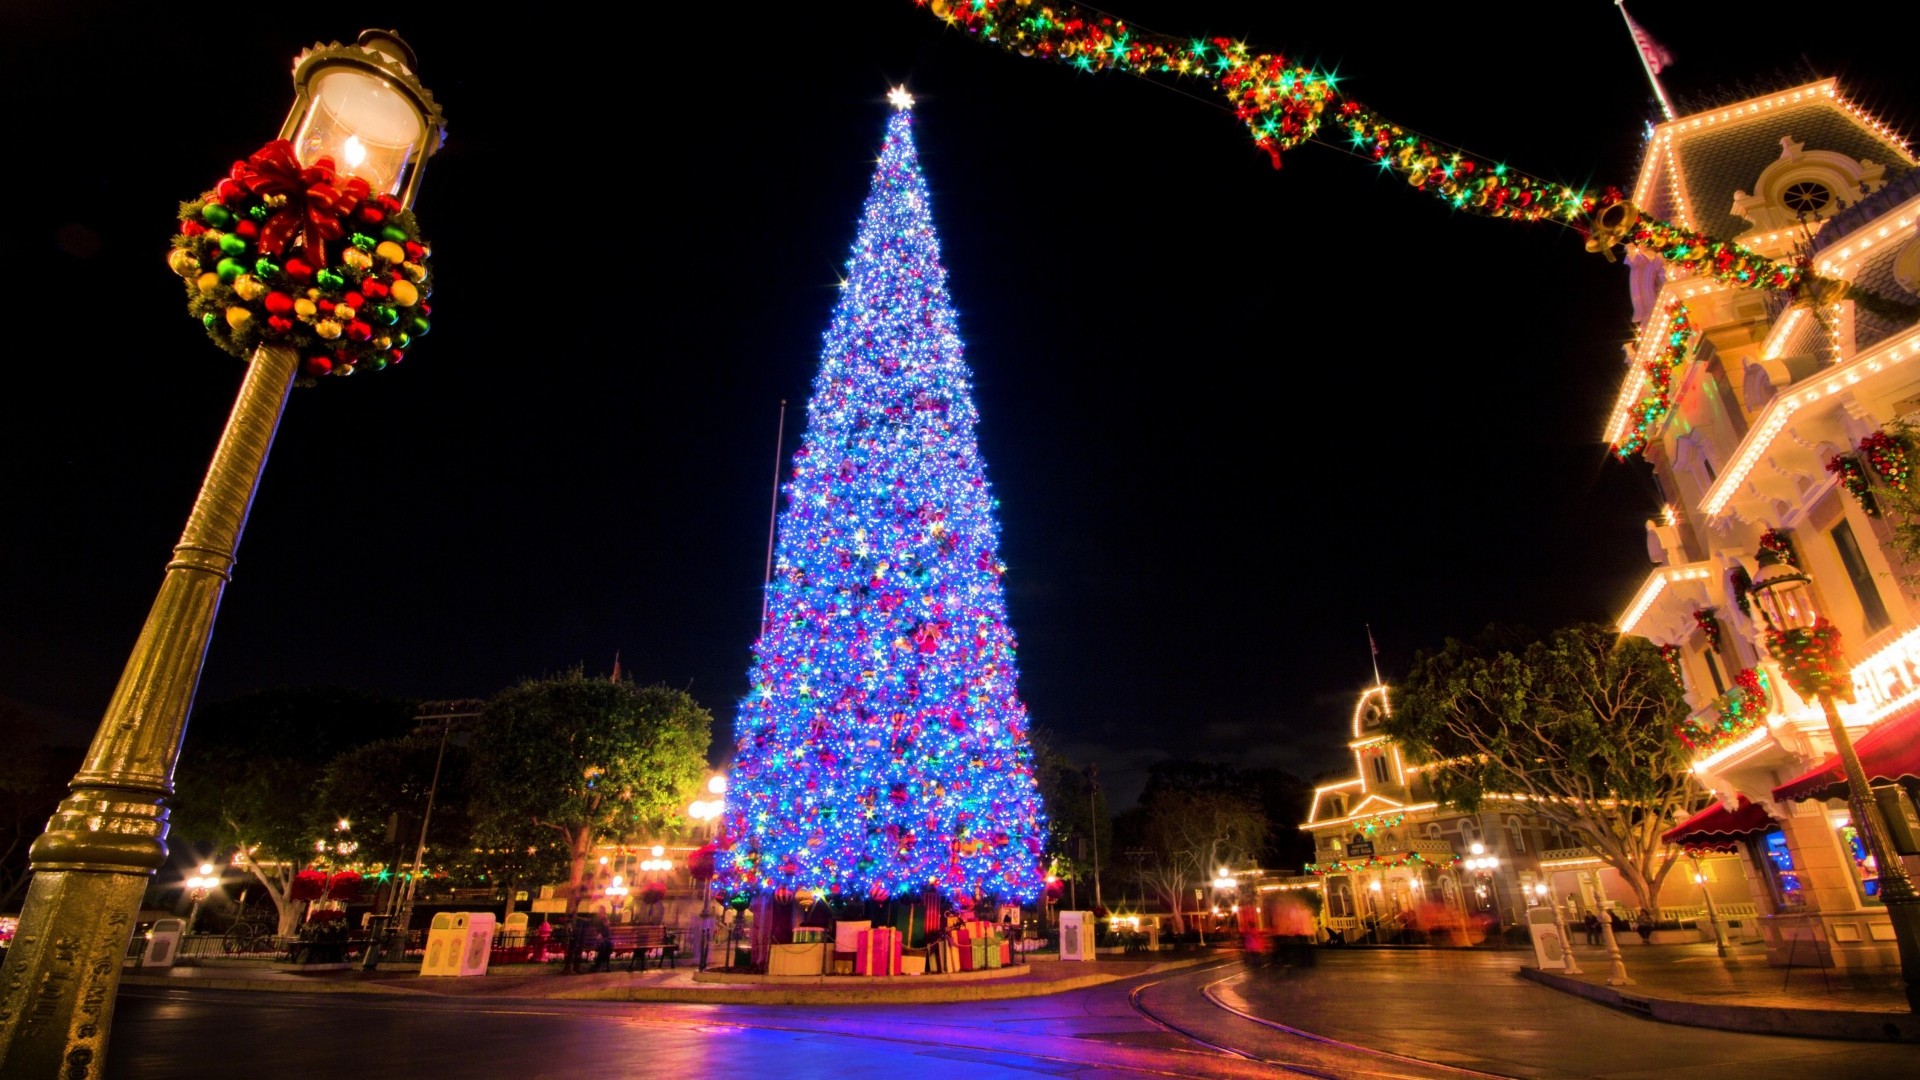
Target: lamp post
[[198, 886], [1713, 915], [361, 105], [1484, 865], [1808, 649]]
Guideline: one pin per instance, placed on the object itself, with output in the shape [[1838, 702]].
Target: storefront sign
[[1360, 847]]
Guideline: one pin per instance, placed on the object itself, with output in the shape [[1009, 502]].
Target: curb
[[715, 995], [1858, 1025]]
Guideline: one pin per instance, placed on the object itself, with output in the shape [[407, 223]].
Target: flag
[[1654, 53], [1370, 644], [615, 677]]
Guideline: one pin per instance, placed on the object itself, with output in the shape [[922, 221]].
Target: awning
[[1890, 752], [1716, 827]]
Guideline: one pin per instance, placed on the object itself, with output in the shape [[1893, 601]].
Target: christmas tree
[[883, 747]]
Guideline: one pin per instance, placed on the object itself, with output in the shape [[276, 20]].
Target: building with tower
[[1770, 422]]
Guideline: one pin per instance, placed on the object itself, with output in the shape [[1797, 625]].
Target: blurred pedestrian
[[602, 932], [576, 943], [1592, 925], [1644, 926]]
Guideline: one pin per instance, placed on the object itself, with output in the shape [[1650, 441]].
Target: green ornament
[[386, 315], [209, 320], [232, 245], [228, 269], [402, 340], [259, 213], [419, 327], [329, 279], [266, 268], [216, 215], [394, 233], [379, 363], [362, 241]]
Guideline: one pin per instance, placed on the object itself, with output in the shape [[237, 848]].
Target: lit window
[[1865, 873], [1806, 197], [1782, 874]]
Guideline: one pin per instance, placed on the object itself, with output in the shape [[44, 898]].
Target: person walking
[[602, 942], [1644, 926], [576, 944], [1592, 925]]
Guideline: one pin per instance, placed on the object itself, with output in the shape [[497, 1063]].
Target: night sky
[[1233, 415]]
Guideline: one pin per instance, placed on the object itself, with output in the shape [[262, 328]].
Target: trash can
[[479, 944], [163, 943], [446, 944]]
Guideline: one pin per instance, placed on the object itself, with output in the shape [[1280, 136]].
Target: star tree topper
[[900, 99]]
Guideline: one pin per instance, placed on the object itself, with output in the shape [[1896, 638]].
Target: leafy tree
[[1192, 819], [1581, 724], [586, 759], [1076, 807], [250, 768]]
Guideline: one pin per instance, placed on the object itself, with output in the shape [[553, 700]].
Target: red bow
[[316, 204]]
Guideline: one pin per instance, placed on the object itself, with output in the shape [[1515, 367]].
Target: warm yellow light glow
[[717, 785], [658, 851], [899, 98]]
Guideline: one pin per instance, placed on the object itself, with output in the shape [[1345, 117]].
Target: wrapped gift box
[[801, 959], [912, 964], [949, 958], [974, 958], [879, 952], [809, 935], [911, 921], [846, 935]]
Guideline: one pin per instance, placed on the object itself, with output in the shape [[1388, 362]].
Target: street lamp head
[[206, 869], [717, 784], [658, 851], [362, 106], [1477, 847], [1783, 593]]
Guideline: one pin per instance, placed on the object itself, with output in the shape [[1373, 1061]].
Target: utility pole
[[1093, 830], [444, 714]]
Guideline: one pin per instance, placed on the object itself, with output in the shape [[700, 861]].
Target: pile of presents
[[858, 947]]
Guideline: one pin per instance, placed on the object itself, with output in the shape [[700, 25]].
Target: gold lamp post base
[[107, 838]]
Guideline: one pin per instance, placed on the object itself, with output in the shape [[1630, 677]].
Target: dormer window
[[1807, 197], [1380, 768]]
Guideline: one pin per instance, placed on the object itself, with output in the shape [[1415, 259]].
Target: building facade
[[1765, 419], [1394, 863]]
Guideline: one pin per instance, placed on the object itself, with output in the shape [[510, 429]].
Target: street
[[1370, 1014]]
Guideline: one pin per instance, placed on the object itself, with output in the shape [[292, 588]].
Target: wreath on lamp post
[[281, 253], [1811, 660]]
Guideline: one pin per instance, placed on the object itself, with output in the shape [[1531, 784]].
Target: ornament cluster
[[281, 253], [1812, 661], [1731, 716]]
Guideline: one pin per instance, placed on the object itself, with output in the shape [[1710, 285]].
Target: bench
[[638, 942]]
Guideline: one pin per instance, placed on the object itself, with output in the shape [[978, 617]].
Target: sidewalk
[[544, 981], [1690, 984]]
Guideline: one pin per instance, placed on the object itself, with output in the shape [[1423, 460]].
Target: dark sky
[[1232, 414]]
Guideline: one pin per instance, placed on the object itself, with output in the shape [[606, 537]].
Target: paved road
[[1464, 1014]]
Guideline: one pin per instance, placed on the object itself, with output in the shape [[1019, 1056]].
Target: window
[[1340, 899], [1380, 768], [1713, 669], [1806, 197], [1782, 875], [1433, 830], [1866, 876], [1871, 607], [1516, 836]]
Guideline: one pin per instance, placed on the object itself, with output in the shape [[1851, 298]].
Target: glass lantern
[[1784, 594], [361, 106]]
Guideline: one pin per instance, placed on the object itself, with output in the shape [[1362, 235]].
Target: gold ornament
[[237, 316], [357, 259], [383, 342], [415, 271], [391, 252], [247, 287], [305, 308], [328, 328], [208, 282], [183, 262], [405, 294], [1611, 226], [344, 313]]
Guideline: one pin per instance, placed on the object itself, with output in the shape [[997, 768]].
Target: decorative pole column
[[254, 253]]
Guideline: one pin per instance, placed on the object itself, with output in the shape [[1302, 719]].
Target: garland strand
[[1708, 620], [1283, 104], [1671, 654], [1736, 712], [1888, 456], [1657, 402], [1388, 862], [1853, 477]]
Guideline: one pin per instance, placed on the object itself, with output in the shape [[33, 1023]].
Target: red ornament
[[278, 324], [371, 214], [354, 300], [879, 891], [375, 288], [396, 355], [783, 895], [415, 250], [359, 331], [299, 270], [246, 229], [229, 189], [317, 366], [314, 205], [279, 303], [192, 228]]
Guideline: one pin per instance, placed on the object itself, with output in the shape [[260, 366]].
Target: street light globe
[[1477, 848], [658, 851], [362, 106], [206, 869], [717, 784]]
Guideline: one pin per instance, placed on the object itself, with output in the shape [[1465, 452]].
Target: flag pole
[[1374, 650], [773, 516], [1646, 63]]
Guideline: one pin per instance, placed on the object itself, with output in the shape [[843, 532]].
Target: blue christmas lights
[[883, 748]]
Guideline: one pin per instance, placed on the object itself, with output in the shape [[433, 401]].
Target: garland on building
[[1657, 401], [281, 253], [1671, 655], [1853, 477], [1283, 104], [1379, 862], [1888, 456], [1740, 584], [1811, 660], [1382, 821], [1708, 620], [1731, 716], [1780, 544]]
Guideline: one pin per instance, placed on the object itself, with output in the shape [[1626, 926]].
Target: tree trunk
[[577, 867]]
